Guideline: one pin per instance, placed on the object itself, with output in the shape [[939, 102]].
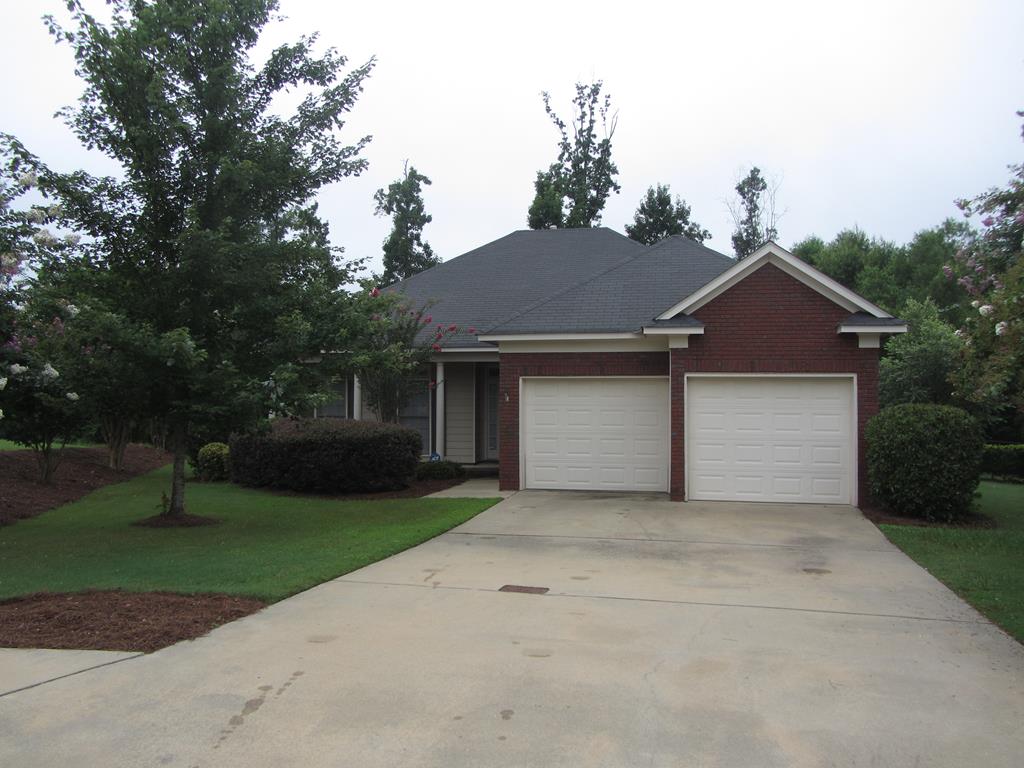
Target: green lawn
[[983, 566], [267, 546]]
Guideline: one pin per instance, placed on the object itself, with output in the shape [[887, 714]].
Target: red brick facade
[[767, 323]]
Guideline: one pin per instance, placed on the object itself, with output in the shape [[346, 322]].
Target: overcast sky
[[874, 114]]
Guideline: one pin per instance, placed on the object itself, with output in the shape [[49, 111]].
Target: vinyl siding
[[460, 412]]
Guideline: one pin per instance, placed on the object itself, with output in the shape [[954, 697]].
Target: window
[[336, 408], [416, 413]]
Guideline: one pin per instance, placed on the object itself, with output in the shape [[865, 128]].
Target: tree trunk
[[47, 460], [117, 432], [177, 503]]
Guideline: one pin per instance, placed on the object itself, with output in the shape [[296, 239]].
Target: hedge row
[[327, 456], [1004, 460]]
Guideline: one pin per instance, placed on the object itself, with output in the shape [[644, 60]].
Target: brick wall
[[767, 323], [772, 323], [514, 366]]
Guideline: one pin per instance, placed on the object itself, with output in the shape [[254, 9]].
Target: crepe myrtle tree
[[399, 345], [990, 268], [208, 239]]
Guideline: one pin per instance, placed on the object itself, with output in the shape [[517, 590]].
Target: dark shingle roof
[[626, 296], [864, 319], [494, 282]]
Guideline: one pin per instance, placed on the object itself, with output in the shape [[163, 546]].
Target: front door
[[491, 414]]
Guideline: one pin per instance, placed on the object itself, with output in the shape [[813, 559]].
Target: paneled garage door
[[770, 439], [607, 434]]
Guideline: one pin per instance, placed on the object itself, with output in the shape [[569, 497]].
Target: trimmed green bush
[[327, 456], [440, 470], [213, 462], [1004, 460], [924, 460]]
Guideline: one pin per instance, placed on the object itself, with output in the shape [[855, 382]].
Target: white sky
[[875, 114]]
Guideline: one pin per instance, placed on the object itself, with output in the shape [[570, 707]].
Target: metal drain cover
[[527, 590]]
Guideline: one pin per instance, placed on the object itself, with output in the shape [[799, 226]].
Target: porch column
[[357, 398], [439, 400]]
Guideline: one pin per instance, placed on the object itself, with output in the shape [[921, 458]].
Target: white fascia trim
[[775, 254], [873, 328], [656, 331], [557, 337]]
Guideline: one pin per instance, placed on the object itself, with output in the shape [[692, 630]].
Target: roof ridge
[[551, 297], [697, 243]]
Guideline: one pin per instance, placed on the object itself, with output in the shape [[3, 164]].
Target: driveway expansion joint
[[663, 601], [889, 550], [69, 674]]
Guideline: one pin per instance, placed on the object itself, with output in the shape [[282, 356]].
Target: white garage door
[[770, 439], [598, 434]]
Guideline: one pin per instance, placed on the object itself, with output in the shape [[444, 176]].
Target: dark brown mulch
[[81, 471], [115, 620], [414, 490], [176, 521], [880, 517]]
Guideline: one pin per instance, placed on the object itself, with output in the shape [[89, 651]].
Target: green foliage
[[659, 217], [546, 209], [1004, 460], [209, 243], [267, 545], [924, 460], [440, 470], [888, 274], [753, 213], [918, 365], [584, 175], [405, 251], [395, 347], [213, 462], [327, 456]]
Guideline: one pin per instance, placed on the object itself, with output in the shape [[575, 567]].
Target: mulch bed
[[115, 620], [81, 471], [879, 517]]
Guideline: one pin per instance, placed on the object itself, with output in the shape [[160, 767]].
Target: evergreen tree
[[659, 217], [405, 251]]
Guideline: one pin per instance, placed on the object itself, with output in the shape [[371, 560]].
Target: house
[[585, 360]]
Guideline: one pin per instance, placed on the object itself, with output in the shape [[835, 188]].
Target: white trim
[[465, 356], [556, 336], [357, 398], [854, 432], [519, 407], [771, 253], [683, 331], [873, 329], [869, 340]]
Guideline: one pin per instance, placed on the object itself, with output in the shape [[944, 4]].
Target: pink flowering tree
[[989, 266], [397, 347]]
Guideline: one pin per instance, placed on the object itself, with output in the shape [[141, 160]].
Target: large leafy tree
[[208, 244], [754, 213], [990, 267], [658, 217], [574, 190], [918, 366], [405, 251]]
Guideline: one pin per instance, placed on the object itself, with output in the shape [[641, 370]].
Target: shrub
[[327, 456], [924, 460], [213, 462], [440, 470], [1004, 460]]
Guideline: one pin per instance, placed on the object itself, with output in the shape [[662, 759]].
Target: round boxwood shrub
[[924, 460], [327, 456], [440, 470], [213, 462]]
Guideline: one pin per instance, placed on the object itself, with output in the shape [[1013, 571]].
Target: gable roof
[[773, 253], [489, 284], [624, 297]]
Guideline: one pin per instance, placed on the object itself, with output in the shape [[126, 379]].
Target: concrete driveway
[[671, 635]]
